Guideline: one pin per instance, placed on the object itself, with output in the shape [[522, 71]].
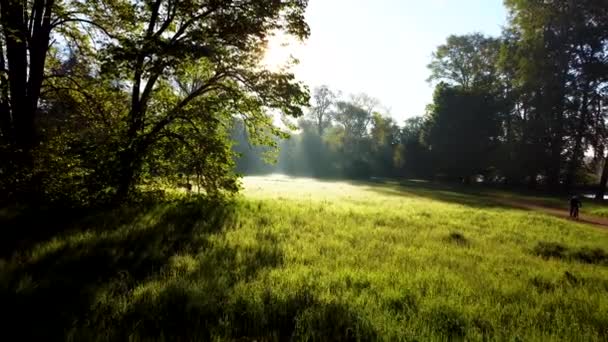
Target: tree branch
[[171, 13], [192, 20], [176, 111], [81, 20]]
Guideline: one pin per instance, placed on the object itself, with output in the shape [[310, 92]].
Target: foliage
[[468, 61], [146, 89], [322, 109], [462, 131]]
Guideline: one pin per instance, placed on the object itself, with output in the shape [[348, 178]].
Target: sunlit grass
[[316, 260]]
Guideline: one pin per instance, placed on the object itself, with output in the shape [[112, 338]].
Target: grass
[[297, 259], [590, 206]]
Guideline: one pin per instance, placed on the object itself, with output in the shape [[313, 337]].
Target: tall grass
[[298, 259]]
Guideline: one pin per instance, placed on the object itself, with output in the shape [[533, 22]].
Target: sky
[[382, 47]]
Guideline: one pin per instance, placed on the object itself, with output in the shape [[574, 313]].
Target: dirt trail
[[600, 222]]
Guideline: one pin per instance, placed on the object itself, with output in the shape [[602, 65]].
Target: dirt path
[[596, 221]]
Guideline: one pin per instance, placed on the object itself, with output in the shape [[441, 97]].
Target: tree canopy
[[166, 79]]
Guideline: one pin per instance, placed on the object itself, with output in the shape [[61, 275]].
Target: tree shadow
[[162, 272], [23, 228], [54, 287], [444, 192]]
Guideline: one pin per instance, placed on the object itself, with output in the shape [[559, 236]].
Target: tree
[[384, 135], [323, 101], [218, 45], [26, 31], [367, 103], [467, 61], [26, 28], [411, 155], [353, 119], [561, 55], [462, 131]]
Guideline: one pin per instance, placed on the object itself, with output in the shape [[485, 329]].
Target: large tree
[[24, 41], [25, 34], [153, 45], [468, 61]]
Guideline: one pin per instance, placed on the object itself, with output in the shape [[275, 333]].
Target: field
[[590, 206], [302, 259]]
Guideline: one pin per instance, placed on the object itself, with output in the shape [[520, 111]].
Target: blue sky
[[382, 47]]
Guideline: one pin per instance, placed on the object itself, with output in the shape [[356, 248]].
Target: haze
[[382, 47]]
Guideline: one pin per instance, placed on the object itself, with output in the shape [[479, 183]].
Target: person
[[575, 204]]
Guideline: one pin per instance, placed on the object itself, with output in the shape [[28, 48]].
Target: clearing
[[302, 259]]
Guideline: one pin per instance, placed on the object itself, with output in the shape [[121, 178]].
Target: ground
[[302, 259]]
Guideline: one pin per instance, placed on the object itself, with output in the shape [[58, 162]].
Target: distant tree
[[468, 61], [323, 101], [353, 119], [353, 123], [411, 155], [412, 129], [368, 103], [462, 131], [384, 135]]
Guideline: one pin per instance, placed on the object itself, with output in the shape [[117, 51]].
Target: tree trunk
[[601, 189], [26, 41], [554, 169], [532, 182], [6, 126], [17, 58], [557, 146], [578, 144], [130, 162]]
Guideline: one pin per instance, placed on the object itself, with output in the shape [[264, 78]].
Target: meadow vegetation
[[297, 259]]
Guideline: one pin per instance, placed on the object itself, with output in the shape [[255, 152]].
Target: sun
[[280, 51]]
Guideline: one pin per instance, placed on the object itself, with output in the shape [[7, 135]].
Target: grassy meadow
[[299, 259]]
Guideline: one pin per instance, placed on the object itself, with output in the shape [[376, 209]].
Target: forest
[[527, 108]]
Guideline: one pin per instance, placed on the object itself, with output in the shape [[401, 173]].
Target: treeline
[[526, 108], [336, 138]]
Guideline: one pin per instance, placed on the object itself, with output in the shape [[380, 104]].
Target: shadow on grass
[[159, 272], [53, 285], [451, 193], [553, 250]]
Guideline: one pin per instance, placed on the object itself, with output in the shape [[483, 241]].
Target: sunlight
[[281, 51]]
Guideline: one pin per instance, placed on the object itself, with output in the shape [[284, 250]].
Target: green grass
[[308, 260], [590, 206]]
